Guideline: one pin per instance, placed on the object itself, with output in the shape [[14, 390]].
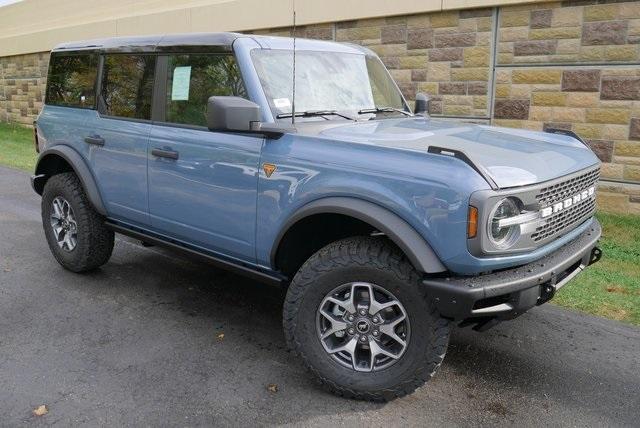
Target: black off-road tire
[[373, 260], [94, 241]]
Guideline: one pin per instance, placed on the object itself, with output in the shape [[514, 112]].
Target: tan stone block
[[615, 132], [627, 148], [629, 10], [428, 87], [484, 39], [358, 33], [467, 26], [390, 50], [484, 23], [632, 172], [457, 110], [458, 100], [520, 91], [588, 130], [502, 90], [582, 99], [467, 74], [514, 19], [536, 76], [566, 17], [505, 47], [621, 53], [476, 56], [508, 123], [540, 114], [503, 76], [411, 62], [439, 72], [505, 58], [568, 46], [549, 98], [555, 33], [603, 12], [423, 20], [628, 160], [447, 19], [612, 202], [608, 115], [568, 114], [480, 102], [611, 170], [401, 75], [514, 34], [591, 53]]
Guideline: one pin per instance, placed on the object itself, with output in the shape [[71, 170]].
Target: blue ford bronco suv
[[385, 227]]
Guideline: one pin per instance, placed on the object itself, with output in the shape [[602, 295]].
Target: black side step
[[271, 278]]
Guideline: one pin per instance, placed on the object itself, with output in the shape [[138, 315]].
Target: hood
[[511, 157]]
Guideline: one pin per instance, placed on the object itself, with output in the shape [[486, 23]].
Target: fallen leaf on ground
[[220, 336], [41, 410], [272, 387]]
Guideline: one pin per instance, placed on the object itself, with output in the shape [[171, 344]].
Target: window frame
[[158, 109], [96, 83], [101, 62]]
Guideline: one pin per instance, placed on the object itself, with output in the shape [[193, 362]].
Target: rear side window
[[192, 79], [127, 86], [72, 80]]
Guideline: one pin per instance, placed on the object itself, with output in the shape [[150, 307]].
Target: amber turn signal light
[[472, 223]]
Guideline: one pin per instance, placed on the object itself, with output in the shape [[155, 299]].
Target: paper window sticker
[[180, 84], [281, 103]]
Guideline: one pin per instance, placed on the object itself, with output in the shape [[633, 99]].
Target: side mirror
[[422, 104], [232, 114]]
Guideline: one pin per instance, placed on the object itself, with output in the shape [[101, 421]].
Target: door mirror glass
[[232, 114]]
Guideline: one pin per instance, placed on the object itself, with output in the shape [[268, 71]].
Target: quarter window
[[72, 80], [192, 79], [127, 86]]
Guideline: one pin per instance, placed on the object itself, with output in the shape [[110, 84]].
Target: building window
[[192, 79], [127, 86], [72, 80]]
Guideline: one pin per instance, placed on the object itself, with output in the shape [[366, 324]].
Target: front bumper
[[509, 293]]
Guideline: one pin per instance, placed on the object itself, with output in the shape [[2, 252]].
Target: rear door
[[119, 134], [202, 184]]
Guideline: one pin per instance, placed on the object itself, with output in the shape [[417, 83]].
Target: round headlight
[[503, 237]]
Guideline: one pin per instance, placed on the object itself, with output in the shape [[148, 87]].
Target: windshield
[[325, 81]]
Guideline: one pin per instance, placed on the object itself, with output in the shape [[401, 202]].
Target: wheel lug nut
[[363, 312], [376, 319], [351, 331], [351, 318], [363, 338], [375, 332]]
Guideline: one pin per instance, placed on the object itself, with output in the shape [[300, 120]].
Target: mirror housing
[[422, 104], [233, 114]]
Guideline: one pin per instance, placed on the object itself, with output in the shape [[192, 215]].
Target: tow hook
[[596, 255]]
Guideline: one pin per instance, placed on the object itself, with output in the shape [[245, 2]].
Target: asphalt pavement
[[158, 340]]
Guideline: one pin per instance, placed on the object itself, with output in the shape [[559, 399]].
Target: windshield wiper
[[312, 113], [384, 110]]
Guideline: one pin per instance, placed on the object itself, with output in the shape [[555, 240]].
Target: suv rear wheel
[[75, 232], [358, 316]]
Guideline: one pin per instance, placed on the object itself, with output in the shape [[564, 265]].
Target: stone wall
[[22, 87], [573, 65]]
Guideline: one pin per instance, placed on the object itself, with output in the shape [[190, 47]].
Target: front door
[[120, 133], [202, 184]]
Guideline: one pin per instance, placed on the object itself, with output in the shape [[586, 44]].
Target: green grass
[[16, 147], [610, 288]]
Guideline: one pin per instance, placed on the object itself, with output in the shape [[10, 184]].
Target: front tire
[[75, 232], [358, 316]]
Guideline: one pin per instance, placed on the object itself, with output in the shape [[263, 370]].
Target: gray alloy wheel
[[363, 326], [63, 224]]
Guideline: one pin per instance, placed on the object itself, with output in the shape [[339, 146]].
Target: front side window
[[72, 80], [127, 86], [337, 81], [192, 79]]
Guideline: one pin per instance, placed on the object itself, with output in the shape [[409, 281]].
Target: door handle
[[161, 153], [96, 140]]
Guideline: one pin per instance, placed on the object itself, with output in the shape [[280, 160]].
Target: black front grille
[[566, 189], [565, 219]]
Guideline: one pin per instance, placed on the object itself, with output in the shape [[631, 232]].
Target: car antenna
[[293, 101]]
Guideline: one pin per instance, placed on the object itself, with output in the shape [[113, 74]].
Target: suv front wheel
[[75, 232], [358, 316]]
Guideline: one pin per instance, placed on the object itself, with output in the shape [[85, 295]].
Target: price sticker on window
[[180, 84]]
